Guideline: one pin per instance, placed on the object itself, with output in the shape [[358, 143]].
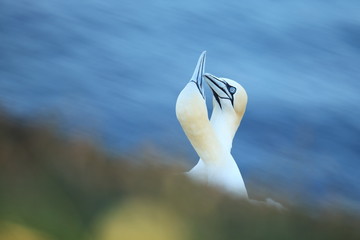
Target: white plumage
[[212, 139]]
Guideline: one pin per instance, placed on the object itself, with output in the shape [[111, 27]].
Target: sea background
[[112, 70]]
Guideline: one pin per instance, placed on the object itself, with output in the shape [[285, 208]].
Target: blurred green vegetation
[[52, 187]]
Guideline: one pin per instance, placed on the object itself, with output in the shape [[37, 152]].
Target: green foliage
[[55, 188]]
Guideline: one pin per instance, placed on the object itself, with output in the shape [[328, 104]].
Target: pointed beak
[[219, 87], [197, 76]]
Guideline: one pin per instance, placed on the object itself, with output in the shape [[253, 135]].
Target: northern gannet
[[212, 140], [229, 105]]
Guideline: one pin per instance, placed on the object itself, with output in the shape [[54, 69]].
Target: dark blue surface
[[113, 69]]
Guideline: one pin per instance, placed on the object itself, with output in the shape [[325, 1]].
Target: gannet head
[[229, 97]]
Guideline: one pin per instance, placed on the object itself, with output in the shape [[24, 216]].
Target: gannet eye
[[232, 90]]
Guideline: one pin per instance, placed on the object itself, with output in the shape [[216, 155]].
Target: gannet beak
[[220, 88], [197, 76]]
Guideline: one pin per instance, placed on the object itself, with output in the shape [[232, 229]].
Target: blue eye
[[232, 90]]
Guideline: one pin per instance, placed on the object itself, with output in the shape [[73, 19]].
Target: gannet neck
[[225, 126], [192, 114]]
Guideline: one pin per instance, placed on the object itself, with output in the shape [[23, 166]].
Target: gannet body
[[212, 140]]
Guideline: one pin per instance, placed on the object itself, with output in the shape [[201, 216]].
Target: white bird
[[212, 140]]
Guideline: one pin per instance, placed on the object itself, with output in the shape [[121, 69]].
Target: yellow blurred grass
[[141, 219], [12, 231]]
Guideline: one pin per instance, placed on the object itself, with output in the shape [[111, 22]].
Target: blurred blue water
[[113, 69]]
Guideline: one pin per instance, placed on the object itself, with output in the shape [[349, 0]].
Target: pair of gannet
[[212, 139]]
